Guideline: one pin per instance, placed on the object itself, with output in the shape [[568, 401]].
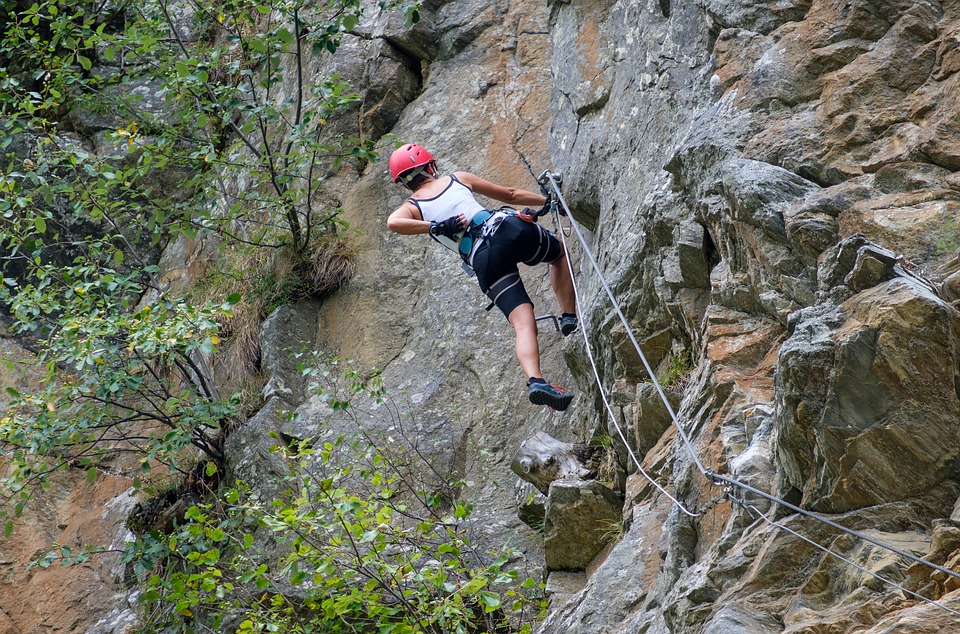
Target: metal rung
[[556, 322]]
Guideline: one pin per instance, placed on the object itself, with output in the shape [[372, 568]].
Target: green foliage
[[237, 148], [118, 380], [240, 134], [676, 373], [232, 141], [949, 239], [356, 557]]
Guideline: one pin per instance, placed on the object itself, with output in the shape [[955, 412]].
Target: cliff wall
[[770, 192]]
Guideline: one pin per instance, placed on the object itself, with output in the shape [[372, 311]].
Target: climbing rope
[[603, 393], [623, 319], [714, 477]]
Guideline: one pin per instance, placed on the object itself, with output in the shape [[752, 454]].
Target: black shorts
[[495, 262]]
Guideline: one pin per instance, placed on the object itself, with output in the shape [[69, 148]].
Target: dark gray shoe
[[568, 324], [549, 395]]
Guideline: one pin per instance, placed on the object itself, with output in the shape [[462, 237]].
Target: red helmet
[[407, 158]]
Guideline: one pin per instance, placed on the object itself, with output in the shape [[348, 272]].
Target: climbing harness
[[481, 227], [501, 286], [550, 182]]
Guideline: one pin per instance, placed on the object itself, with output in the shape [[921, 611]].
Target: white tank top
[[456, 198]]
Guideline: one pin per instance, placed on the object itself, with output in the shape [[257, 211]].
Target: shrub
[[342, 550]]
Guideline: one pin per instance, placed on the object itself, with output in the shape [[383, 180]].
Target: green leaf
[[490, 601], [85, 62], [211, 468], [40, 224]]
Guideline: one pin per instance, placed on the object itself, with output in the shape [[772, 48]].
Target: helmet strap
[[430, 169]]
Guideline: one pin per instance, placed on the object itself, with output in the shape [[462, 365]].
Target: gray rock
[[855, 387], [562, 585], [581, 517], [285, 338], [142, 101], [644, 420], [531, 505], [762, 17], [742, 619], [250, 457]]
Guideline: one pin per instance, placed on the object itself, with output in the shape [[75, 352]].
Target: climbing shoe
[[568, 323], [549, 395]]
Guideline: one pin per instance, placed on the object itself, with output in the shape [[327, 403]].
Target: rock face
[[864, 383], [73, 513], [782, 209], [770, 190]]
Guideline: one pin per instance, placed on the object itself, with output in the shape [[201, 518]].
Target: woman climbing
[[491, 243]]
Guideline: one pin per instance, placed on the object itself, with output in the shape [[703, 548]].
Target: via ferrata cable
[[714, 477]]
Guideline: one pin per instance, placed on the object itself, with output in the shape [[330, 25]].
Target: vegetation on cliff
[[127, 127]]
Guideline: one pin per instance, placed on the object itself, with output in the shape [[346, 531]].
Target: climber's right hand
[[448, 228]]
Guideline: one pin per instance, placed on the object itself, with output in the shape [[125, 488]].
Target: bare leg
[[563, 284], [528, 350]]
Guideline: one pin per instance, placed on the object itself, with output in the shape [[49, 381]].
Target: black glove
[[448, 228], [532, 213]]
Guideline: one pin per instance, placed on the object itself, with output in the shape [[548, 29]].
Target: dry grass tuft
[[327, 267]]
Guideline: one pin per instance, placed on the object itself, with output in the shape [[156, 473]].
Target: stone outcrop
[[580, 518], [803, 147], [867, 404], [542, 460]]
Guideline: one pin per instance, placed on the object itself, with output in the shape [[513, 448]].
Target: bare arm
[[405, 220], [508, 195]]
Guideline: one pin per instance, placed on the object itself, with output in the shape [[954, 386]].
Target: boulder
[[581, 517], [543, 459], [860, 385]]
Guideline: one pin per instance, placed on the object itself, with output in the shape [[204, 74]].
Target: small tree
[[242, 122], [118, 381], [246, 133], [127, 366]]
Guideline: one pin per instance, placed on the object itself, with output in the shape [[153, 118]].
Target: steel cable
[[603, 394], [708, 473], [752, 509]]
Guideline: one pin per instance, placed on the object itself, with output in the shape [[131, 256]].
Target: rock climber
[[491, 243]]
